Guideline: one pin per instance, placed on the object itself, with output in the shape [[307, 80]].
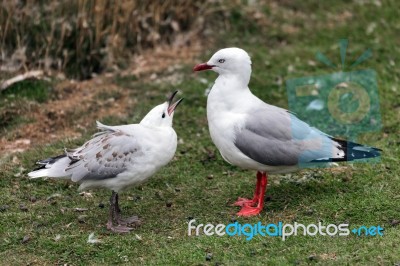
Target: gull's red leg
[[251, 202], [250, 210]]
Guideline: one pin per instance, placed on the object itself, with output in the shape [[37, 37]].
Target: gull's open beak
[[201, 67], [172, 107]]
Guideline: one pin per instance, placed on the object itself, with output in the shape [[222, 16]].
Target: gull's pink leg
[[251, 202], [248, 210]]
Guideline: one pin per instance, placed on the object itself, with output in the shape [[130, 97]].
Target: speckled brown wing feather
[[108, 154]]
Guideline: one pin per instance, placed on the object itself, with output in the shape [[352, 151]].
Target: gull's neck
[[232, 83], [230, 92], [240, 80]]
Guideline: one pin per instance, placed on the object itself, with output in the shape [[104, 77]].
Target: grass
[[199, 185], [36, 90], [15, 102]]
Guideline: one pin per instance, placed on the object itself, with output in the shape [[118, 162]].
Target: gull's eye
[[221, 61], [163, 115]]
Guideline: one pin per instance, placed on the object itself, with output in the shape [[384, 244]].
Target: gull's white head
[[162, 115], [228, 61]]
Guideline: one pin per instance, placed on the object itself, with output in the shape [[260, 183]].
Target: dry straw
[[87, 36]]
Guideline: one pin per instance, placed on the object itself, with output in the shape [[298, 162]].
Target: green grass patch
[[199, 185], [16, 102], [35, 90]]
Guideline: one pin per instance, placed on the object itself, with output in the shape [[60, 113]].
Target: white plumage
[[118, 157], [252, 134]]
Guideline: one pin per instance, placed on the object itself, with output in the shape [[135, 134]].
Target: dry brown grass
[[87, 36]]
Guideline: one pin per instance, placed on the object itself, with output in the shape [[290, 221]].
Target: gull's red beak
[[172, 107], [201, 67]]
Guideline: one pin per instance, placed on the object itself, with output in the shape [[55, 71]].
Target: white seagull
[[118, 157], [252, 134]]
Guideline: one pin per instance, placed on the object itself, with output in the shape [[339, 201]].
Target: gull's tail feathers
[[52, 167]]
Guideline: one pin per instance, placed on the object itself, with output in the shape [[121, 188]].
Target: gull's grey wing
[[273, 136], [108, 154]]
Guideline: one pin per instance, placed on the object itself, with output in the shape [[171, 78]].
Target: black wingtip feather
[[42, 163], [51, 160], [354, 151]]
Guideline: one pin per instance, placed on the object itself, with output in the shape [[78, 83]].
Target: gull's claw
[[249, 211], [245, 202], [133, 220], [118, 228]]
